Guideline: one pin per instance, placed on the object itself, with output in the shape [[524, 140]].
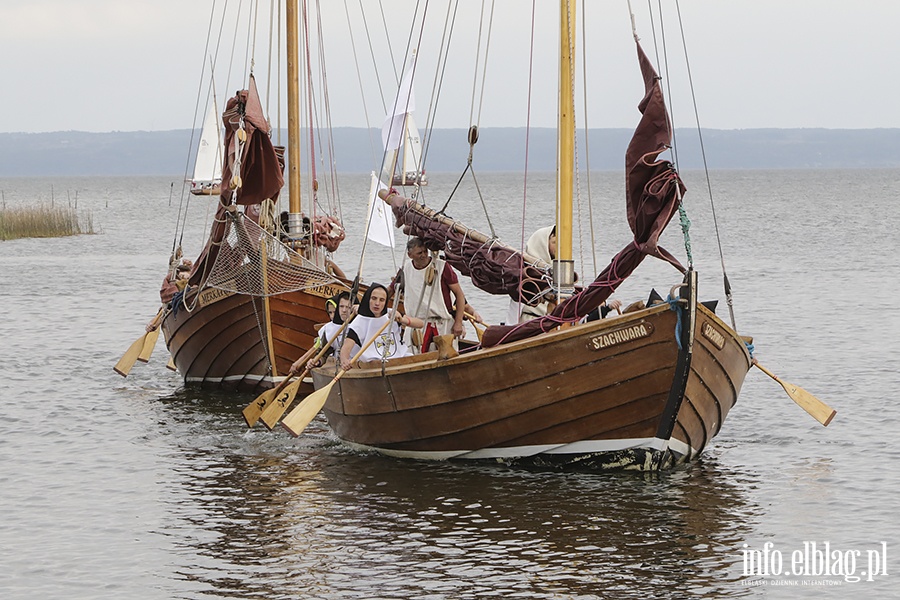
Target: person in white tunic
[[372, 315], [428, 283]]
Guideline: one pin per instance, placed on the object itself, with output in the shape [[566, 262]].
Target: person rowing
[[372, 315]]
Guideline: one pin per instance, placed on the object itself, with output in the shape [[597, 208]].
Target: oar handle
[[474, 321], [283, 384], [324, 349], [157, 320]]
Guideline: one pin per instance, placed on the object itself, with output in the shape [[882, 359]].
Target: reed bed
[[43, 221]]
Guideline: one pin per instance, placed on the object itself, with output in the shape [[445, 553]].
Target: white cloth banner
[[381, 227]]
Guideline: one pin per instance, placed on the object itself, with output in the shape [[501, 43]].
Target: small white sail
[[412, 154], [208, 166], [400, 134]]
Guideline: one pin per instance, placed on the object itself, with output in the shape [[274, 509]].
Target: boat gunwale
[[429, 361]]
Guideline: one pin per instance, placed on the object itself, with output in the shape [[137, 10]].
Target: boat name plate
[[621, 335], [326, 291], [212, 295], [713, 335]]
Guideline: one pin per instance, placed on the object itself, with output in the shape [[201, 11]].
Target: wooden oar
[[306, 411], [277, 408], [149, 345], [820, 411], [253, 410], [136, 350], [123, 367], [478, 332]]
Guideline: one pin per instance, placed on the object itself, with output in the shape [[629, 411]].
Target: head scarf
[[333, 301], [538, 244], [336, 299], [364, 309]]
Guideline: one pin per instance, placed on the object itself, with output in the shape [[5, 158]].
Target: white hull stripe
[[232, 379], [574, 448]]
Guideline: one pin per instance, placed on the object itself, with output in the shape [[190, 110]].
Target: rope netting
[[251, 261]]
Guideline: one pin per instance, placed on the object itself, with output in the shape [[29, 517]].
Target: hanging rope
[[577, 174]]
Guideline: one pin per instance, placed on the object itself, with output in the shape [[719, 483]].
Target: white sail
[[208, 166], [412, 153]]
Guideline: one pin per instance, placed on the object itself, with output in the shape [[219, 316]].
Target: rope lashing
[[686, 231], [673, 305]]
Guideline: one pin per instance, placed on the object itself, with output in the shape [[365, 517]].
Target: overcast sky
[[124, 65]]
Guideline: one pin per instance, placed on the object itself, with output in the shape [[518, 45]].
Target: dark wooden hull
[[230, 341], [611, 394]]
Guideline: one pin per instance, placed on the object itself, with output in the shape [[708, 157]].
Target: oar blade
[[149, 345], [253, 410], [817, 409], [820, 411], [279, 405], [306, 411], [123, 367]]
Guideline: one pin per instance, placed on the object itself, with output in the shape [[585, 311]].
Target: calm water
[[139, 488]]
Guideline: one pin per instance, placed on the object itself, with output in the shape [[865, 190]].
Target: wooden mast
[[295, 221], [563, 265]]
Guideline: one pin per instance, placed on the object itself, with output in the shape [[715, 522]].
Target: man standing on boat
[[428, 283]]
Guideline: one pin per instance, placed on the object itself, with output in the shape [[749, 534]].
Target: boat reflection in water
[[265, 515]]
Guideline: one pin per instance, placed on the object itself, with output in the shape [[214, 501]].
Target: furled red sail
[[653, 192], [492, 266], [262, 174], [261, 169]]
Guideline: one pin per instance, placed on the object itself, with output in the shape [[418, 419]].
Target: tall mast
[[295, 221], [563, 265]]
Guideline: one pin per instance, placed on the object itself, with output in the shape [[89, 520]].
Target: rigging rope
[[440, 70], [587, 156], [726, 283], [527, 144], [184, 201], [334, 197], [362, 90], [474, 124], [406, 101]]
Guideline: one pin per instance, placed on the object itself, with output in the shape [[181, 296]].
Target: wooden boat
[[645, 391], [255, 293], [610, 394], [240, 341]]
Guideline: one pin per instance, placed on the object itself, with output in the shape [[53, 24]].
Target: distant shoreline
[[121, 153]]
